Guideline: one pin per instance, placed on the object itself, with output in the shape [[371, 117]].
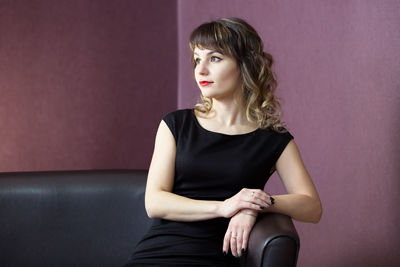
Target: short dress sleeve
[[282, 140], [173, 120]]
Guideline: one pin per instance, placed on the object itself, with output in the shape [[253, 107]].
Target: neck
[[229, 113]]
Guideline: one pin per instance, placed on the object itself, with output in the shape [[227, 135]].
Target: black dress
[[209, 166]]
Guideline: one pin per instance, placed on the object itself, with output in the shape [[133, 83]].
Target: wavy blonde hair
[[236, 38]]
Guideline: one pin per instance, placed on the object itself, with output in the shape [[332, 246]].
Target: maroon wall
[[338, 66], [84, 84]]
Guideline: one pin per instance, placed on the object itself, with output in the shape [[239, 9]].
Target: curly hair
[[236, 38]]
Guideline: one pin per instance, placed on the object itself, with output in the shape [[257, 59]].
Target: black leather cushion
[[44, 215]]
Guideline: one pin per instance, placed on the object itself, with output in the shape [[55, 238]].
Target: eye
[[215, 59], [197, 61]]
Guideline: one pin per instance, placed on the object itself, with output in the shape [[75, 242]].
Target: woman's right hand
[[238, 232], [254, 199]]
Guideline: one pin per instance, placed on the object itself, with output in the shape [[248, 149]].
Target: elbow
[[313, 212], [152, 210], [154, 205], [151, 213], [317, 213]]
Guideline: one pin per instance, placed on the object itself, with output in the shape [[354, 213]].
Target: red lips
[[205, 83]]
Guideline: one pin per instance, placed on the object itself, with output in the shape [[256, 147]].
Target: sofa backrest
[[71, 218]]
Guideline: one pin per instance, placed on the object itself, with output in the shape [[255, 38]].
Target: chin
[[216, 96], [211, 96], [207, 93]]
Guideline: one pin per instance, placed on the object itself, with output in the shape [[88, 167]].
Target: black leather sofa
[[95, 218]]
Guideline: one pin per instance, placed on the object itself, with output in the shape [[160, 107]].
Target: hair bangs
[[212, 36]]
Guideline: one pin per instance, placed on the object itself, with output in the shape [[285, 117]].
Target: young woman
[[210, 163]]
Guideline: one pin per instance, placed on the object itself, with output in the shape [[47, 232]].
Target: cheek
[[195, 76], [230, 76]]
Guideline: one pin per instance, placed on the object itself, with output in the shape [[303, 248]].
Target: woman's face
[[217, 75]]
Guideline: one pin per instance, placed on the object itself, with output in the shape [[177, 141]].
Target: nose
[[202, 68]]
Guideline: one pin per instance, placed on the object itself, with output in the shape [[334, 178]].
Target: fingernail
[[261, 207], [224, 252], [243, 251]]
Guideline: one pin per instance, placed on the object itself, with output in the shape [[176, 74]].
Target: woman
[[210, 163]]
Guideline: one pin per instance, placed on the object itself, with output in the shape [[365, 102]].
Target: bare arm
[[160, 202], [302, 202]]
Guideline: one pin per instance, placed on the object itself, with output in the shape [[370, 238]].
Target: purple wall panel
[[338, 65], [84, 84]]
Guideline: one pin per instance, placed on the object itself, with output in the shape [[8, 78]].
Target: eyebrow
[[209, 53]]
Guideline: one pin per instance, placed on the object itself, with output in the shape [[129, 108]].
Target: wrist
[[250, 212], [218, 208]]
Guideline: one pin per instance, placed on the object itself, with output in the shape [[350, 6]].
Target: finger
[[246, 235], [249, 205], [272, 200], [239, 241], [264, 197], [259, 197], [253, 196], [234, 244], [256, 195], [227, 238]]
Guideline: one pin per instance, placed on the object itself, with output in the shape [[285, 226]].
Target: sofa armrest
[[273, 242]]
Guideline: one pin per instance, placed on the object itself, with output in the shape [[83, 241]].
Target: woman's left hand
[[238, 232]]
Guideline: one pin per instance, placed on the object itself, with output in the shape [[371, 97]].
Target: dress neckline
[[218, 133]]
